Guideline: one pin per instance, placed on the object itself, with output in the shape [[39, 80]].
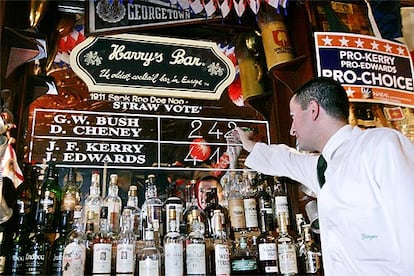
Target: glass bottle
[[50, 198], [173, 202], [213, 204], [268, 263], [38, 250], [19, 243], [311, 254], [3, 252], [125, 246], [59, 244], [114, 204], [74, 255], [195, 249], [236, 205], [153, 205], [286, 249], [243, 261], [70, 191], [219, 254], [280, 198], [249, 203], [149, 257], [264, 200], [132, 204], [93, 202], [199, 213], [102, 246], [173, 246]]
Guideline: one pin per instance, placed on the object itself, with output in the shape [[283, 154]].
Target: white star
[[359, 43], [350, 92], [388, 48], [344, 41], [327, 41], [374, 45], [401, 50]]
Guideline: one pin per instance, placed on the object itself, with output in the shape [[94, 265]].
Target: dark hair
[[328, 93]]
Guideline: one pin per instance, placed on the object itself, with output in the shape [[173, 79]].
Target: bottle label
[[125, 254], [312, 262], [196, 258], [57, 261], [250, 212], [35, 262], [48, 202], [148, 267], [102, 254], [74, 259], [17, 265], [69, 201], [281, 205], [287, 258], [2, 264], [174, 258], [236, 212], [267, 251], [244, 265], [222, 259], [179, 215]]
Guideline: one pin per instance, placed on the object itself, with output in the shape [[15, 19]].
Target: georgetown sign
[[159, 66]]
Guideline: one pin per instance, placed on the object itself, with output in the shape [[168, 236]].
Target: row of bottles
[[249, 232]]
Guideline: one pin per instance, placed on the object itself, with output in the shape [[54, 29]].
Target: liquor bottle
[[70, 192], [149, 257], [27, 194], [174, 246], [153, 204], [300, 242], [59, 244], [243, 261], [249, 203], [311, 253], [286, 249], [280, 198], [218, 258], [173, 202], [16, 265], [199, 214], [213, 204], [264, 200], [236, 205], [102, 246], [74, 255], [268, 263], [38, 250], [125, 246], [195, 249], [114, 204], [132, 204], [50, 199], [93, 202], [3, 252]]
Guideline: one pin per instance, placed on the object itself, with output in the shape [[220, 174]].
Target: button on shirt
[[366, 206]]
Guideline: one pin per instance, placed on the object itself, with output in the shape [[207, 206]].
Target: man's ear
[[314, 107]]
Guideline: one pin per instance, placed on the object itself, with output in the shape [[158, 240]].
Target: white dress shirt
[[366, 207]]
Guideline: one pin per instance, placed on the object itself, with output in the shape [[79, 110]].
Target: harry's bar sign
[[115, 15], [159, 66]]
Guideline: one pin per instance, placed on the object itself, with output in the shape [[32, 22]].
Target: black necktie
[[321, 168]]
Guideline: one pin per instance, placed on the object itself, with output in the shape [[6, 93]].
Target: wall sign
[[91, 139], [106, 15], [146, 65], [370, 69]]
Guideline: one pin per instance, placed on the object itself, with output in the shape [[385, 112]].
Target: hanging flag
[[225, 7], [254, 5], [239, 7], [196, 6], [209, 7], [10, 166]]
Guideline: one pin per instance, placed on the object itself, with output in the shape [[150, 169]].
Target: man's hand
[[245, 137]]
